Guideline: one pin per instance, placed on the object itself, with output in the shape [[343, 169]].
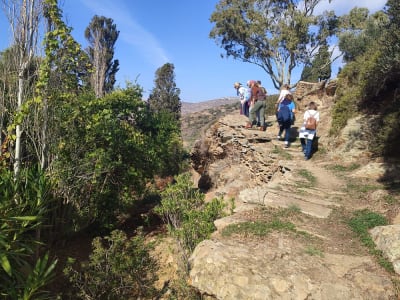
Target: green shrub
[[118, 268], [24, 204], [189, 218]]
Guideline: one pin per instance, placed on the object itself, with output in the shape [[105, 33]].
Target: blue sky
[[155, 32]]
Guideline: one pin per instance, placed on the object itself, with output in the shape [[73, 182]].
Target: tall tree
[[24, 16], [102, 35], [165, 95], [320, 68], [275, 35]]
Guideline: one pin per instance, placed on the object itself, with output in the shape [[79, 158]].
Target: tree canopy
[[165, 95], [275, 35]]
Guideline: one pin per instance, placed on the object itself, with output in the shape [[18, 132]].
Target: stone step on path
[[313, 206]]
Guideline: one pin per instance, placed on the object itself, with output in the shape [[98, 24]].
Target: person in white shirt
[[284, 91], [282, 95], [307, 135], [244, 96]]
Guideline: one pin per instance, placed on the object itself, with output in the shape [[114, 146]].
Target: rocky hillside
[[292, 233]]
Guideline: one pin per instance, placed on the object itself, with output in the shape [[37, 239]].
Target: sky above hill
[[155, 32]]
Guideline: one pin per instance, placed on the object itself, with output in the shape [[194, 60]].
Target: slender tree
[[165, 95], [275, 35], [23, 16], [102, 35]]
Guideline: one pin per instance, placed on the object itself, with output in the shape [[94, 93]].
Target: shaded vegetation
[[360, 223]]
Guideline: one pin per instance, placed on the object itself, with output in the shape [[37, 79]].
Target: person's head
[[237, 85], [312, 105], [289, 97], [285, 87], [250, 83], [259, 82]]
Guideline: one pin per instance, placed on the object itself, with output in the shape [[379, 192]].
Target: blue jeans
[[306, 145], [285, 126], [244, 109]]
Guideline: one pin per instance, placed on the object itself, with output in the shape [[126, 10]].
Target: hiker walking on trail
[[244, 95], [309, 129], [257, 104], [284, 91], [263, 95], [285, 116]]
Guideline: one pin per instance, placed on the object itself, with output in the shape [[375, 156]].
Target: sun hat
[[237, 84]]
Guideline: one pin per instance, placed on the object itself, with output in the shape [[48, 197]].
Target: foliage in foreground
[[119, 268], [22, 209], [190, 220]]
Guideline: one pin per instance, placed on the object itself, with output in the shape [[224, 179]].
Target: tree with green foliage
[[102, 35], [358, 30], [320, 67], [165, 95], [369, 85], [274, 35]]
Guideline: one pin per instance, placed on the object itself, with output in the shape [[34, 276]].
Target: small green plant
[[282, 153], [360, 188], [360, 223], [291, 210], [390, 199], [310, 179], [310, 250], [118, 268], [232, 205], [341, 168]]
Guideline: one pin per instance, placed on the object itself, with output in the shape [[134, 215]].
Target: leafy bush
[[118, 268], [109, 149], [189, 218], [23, 206]]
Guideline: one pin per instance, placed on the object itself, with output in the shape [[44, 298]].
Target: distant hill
[[189, 107]]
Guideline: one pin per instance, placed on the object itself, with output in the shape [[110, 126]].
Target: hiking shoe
[[286, 145]]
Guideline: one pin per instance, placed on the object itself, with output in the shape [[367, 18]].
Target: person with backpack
[[308, 130], [263, 95], [285, 117], [257, 105], [244, 95]]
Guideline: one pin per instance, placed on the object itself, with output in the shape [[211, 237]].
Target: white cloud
[[342, 7], [131, 32]]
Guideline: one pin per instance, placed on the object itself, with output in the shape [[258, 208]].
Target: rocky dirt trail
[[320, 257]]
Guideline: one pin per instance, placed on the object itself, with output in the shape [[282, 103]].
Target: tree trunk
[[23, 16]]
